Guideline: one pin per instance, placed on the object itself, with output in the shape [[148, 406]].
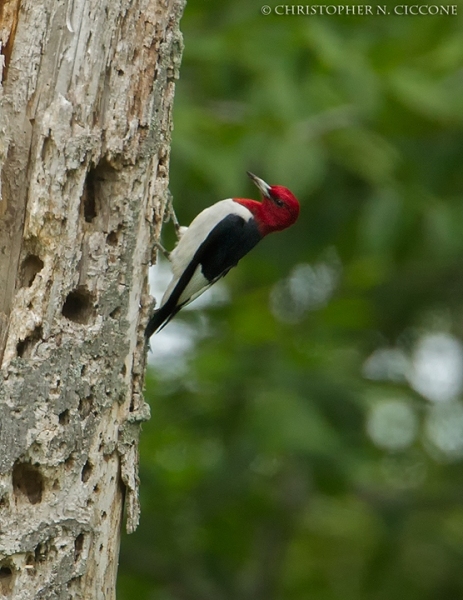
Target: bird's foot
[[161, 248], [171, 216]]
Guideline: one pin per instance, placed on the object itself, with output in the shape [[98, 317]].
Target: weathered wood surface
[[85, 125]]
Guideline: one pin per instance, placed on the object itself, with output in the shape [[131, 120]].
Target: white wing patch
[[194, 288]]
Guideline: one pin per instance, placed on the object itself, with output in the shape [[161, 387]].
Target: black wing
[[231, 239]]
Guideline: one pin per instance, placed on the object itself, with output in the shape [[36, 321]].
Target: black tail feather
[[160, 318], [167, 311]]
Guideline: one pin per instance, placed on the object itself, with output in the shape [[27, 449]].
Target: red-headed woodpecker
[[217, 240]]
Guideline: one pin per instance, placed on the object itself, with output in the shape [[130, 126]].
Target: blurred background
[[306, 439]]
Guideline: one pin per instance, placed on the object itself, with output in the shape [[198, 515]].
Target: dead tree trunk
[[85, 121]]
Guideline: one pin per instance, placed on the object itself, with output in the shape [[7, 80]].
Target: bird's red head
[[278, 210]]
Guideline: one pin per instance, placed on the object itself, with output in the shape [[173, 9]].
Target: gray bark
[[85, 123]]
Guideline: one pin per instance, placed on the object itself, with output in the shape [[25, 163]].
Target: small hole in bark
[[24, 347], [78, 306], [96, 489], [86, 471], [69, 462], [85, 406], [103, 514], [111, 239], [37, 552], [30, 565], [116, 313], [88, 196], [31, 266], [64, 417], [74, 584], [4, 502], [96, 190], [78, 546], [42, 551], [6, 579], [123, 370], [55, 385], [28, 482]]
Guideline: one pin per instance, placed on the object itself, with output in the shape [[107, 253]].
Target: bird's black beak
[[260, 183]]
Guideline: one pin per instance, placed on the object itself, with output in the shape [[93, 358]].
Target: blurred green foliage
[[313, 447]]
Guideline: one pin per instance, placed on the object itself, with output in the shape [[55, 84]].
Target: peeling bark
[[85, 125]]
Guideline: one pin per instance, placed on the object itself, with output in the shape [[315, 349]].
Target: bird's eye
[[275, 199]]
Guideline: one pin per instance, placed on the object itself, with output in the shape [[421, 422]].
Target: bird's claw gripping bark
[[171, 216], [161, 249]]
